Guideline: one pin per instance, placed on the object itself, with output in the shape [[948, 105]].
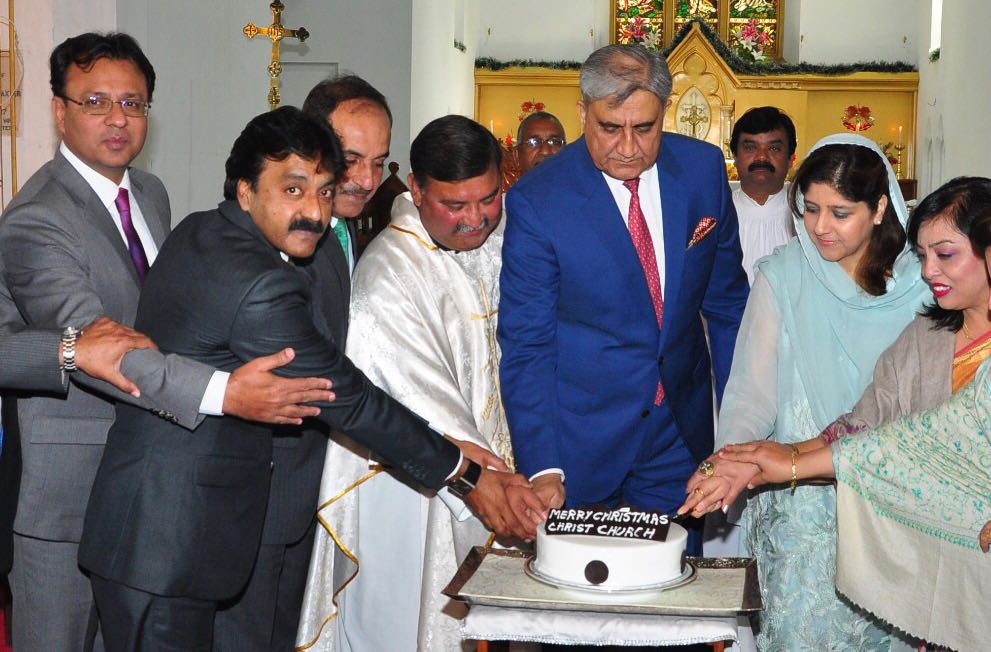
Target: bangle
[[794, 468]]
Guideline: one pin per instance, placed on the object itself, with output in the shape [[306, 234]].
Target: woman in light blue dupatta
[[821, 311]]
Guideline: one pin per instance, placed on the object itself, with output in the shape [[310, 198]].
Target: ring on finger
[[707, 468], [700, 491]]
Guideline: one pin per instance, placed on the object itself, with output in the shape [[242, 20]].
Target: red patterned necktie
[[133, 243], [645, 250]]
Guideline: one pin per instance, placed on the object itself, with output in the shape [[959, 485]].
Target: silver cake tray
[[687, 575], [719, 586]]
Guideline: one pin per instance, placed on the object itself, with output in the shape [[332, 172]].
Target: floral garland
[[489, 63], [737, 63]]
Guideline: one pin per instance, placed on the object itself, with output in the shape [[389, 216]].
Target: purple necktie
[[133, 243]]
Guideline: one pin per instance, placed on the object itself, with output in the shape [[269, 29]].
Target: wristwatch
[[464, 485], [69, 336]]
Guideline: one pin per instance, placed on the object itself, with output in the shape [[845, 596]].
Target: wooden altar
[[708, 96]]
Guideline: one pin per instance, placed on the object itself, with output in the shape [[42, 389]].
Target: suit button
[[645, 414]]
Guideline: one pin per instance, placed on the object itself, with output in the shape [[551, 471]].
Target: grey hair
[[617, 71], [536, 115]]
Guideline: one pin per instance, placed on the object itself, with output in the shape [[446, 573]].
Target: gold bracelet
[[794, 468]]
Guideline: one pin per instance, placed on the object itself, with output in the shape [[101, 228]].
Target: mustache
[[761, 165], [353, 190], [303, 224]]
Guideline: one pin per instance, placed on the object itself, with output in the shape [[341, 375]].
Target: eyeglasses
[[533, 142], [100, 105]]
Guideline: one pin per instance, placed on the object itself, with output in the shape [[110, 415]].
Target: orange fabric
[[968, 359]]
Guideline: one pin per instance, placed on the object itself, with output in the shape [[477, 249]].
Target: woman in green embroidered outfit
[[913, 495]]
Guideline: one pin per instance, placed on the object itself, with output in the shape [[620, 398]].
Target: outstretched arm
[[275, 313]]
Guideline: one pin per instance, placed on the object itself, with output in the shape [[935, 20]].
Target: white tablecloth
[[485, 623]]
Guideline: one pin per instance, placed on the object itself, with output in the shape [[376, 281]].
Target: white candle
[[899, 135], [492, 127]]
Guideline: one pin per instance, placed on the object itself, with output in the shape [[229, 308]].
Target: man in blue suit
[[615, 251]]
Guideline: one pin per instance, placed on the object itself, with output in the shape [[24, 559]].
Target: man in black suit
[[265, 615], [175, 518]]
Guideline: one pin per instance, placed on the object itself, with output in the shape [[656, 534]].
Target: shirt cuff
[[459, 510], [457, 467], [212, 404], [547, 471]]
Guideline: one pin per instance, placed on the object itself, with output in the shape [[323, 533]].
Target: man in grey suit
[[265, 614], [75, 244], [32, 361], [175, 519]]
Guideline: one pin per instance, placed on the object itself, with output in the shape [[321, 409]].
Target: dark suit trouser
[[136, 621], [265, 616]]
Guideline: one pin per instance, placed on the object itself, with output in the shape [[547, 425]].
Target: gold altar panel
[[889, 110], [499, 97], [816, 103]]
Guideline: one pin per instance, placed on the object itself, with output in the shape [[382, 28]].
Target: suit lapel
[[676, 230], [602, 215], [94, 212], [150, 211]]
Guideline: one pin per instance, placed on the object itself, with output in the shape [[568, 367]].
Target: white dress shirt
[[212, 403]]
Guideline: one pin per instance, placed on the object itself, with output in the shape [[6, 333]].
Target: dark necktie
[[133, 243], [645, 251]]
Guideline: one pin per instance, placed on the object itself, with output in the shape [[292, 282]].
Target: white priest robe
[[763, 227], [423, 327]]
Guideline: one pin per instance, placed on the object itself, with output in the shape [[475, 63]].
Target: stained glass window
[[707, 10], [640, 21], [752, 28]]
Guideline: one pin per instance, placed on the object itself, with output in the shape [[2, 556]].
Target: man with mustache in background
[[763, 144]]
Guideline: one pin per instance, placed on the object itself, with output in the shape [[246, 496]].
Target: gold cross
[[276, 32], [694, 117]]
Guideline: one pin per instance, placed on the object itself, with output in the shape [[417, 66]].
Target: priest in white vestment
[[424, 304]]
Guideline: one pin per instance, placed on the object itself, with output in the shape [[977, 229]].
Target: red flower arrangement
[[858, 118]]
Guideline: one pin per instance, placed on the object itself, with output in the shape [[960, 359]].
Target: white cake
[[610, 563]]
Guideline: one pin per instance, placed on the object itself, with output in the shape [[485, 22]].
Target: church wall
[[849, 31], [512, 29], [442, 75], [212, 80], [954, 94]]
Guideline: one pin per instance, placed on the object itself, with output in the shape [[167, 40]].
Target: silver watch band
[[69, 337]]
